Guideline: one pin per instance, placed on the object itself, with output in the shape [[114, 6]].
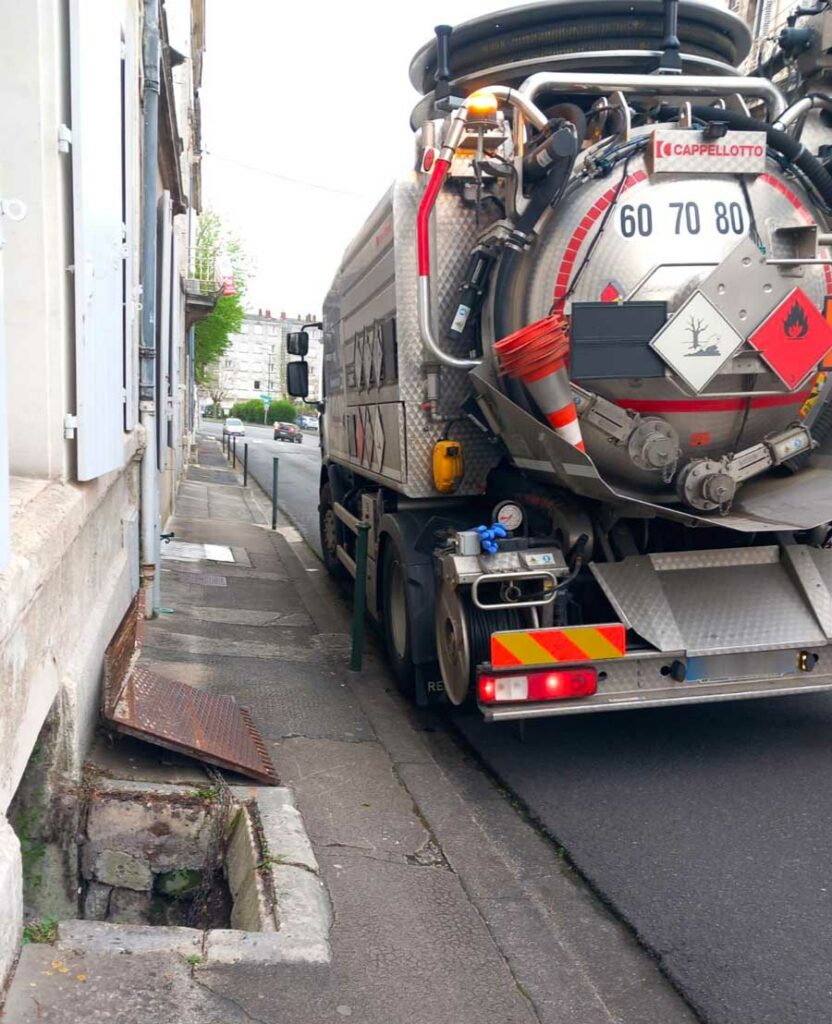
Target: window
[[258, 328], [244, 329], [257, 385]]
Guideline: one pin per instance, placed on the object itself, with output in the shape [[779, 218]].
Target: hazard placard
[[696, 342], [793, 339]]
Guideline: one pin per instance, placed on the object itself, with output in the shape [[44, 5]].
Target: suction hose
[[791, 149]]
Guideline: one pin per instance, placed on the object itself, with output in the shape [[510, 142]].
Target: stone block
[[241, 852], [283, 829], [114, 867], [129, 907], [97, 901], [101, 937], [169, 826]]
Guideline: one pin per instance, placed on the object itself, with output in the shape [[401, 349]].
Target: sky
[[317, 92]]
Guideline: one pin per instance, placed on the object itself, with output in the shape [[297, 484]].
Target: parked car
[[232, 426], [309, 422], [288, 432]]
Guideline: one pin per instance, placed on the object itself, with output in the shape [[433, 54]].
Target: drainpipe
[[150, 526]]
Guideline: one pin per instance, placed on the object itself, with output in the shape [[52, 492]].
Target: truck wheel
[[330, 532], [397, 618]]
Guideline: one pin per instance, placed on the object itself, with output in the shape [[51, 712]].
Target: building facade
[[254, 364], [95, 222]]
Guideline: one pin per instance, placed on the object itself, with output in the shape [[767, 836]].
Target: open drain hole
[[164, 855]]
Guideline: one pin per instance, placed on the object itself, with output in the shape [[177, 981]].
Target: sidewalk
[[448, 908]]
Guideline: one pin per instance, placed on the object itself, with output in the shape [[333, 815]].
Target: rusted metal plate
[[121, 652], [210, 726], [173, 715]]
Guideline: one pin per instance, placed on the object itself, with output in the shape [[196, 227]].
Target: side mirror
[[297, 343], [297, 379]]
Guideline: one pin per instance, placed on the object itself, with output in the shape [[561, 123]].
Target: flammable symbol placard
[[793, 339]]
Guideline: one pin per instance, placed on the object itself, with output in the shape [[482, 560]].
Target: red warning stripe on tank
[[805, 215], [580, 233], [712, 404], [582, 230]]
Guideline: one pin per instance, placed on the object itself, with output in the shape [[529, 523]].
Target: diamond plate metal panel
[[177, 717], [715, 609], [378, 280], [720, 558], [805, 571], [635, 591]]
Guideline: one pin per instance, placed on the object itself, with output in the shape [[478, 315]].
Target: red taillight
[[556, 684]]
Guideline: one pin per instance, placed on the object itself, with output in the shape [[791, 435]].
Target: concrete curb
[[294, 929]]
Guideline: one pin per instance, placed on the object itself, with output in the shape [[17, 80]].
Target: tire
[[397, 618], [330, 533]]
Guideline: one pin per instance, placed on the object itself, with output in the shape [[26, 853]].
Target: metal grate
[[212, 727], [173, 715]]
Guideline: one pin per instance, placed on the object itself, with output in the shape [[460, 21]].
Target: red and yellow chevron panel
[[558, 645]]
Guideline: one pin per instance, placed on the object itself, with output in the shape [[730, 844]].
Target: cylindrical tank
[[662, 237]]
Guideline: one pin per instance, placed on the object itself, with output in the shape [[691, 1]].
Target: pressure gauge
[[509, 515]]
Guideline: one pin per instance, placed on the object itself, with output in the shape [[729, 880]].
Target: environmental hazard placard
[[696, 342], [793, 339]]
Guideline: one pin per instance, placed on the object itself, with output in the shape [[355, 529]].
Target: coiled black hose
[[790, 148]]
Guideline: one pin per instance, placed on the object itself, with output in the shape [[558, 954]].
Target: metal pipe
[[149, 496], [527, 109], [670, 85], [801, 107], [245, 464]]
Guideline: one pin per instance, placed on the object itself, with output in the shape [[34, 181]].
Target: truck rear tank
[[592, 322]]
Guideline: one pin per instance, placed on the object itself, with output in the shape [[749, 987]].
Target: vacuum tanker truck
[[573, 372]]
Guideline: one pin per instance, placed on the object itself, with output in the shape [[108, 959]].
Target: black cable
[[599, 232], [754, 233]]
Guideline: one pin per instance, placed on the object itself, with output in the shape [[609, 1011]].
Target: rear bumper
[[641, 680]]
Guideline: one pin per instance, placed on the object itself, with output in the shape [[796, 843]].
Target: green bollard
[[359, 597], [275, 467]]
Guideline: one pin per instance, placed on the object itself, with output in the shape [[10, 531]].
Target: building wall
[[255, 361], [73, 562]]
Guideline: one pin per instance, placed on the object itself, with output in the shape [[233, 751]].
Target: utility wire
[[284, 177]]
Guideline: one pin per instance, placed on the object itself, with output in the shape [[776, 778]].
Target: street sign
[[696, 342], [794, 339], [266, 400]]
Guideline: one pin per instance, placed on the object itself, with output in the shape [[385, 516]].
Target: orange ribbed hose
[[535, 350]]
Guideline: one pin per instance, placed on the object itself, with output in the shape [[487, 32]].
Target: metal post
[[233, 451], [223, 442], [245, 464], [359, 596], [275, 466]]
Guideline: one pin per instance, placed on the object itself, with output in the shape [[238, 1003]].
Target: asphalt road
[[707, 828]]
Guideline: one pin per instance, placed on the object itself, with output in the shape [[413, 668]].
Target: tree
[[696, 327], [216, 245], [214, 384]]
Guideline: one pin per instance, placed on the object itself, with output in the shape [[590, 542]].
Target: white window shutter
[[95, 78], [132, 212], [163, 326], [5, 543], [176, 343]]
